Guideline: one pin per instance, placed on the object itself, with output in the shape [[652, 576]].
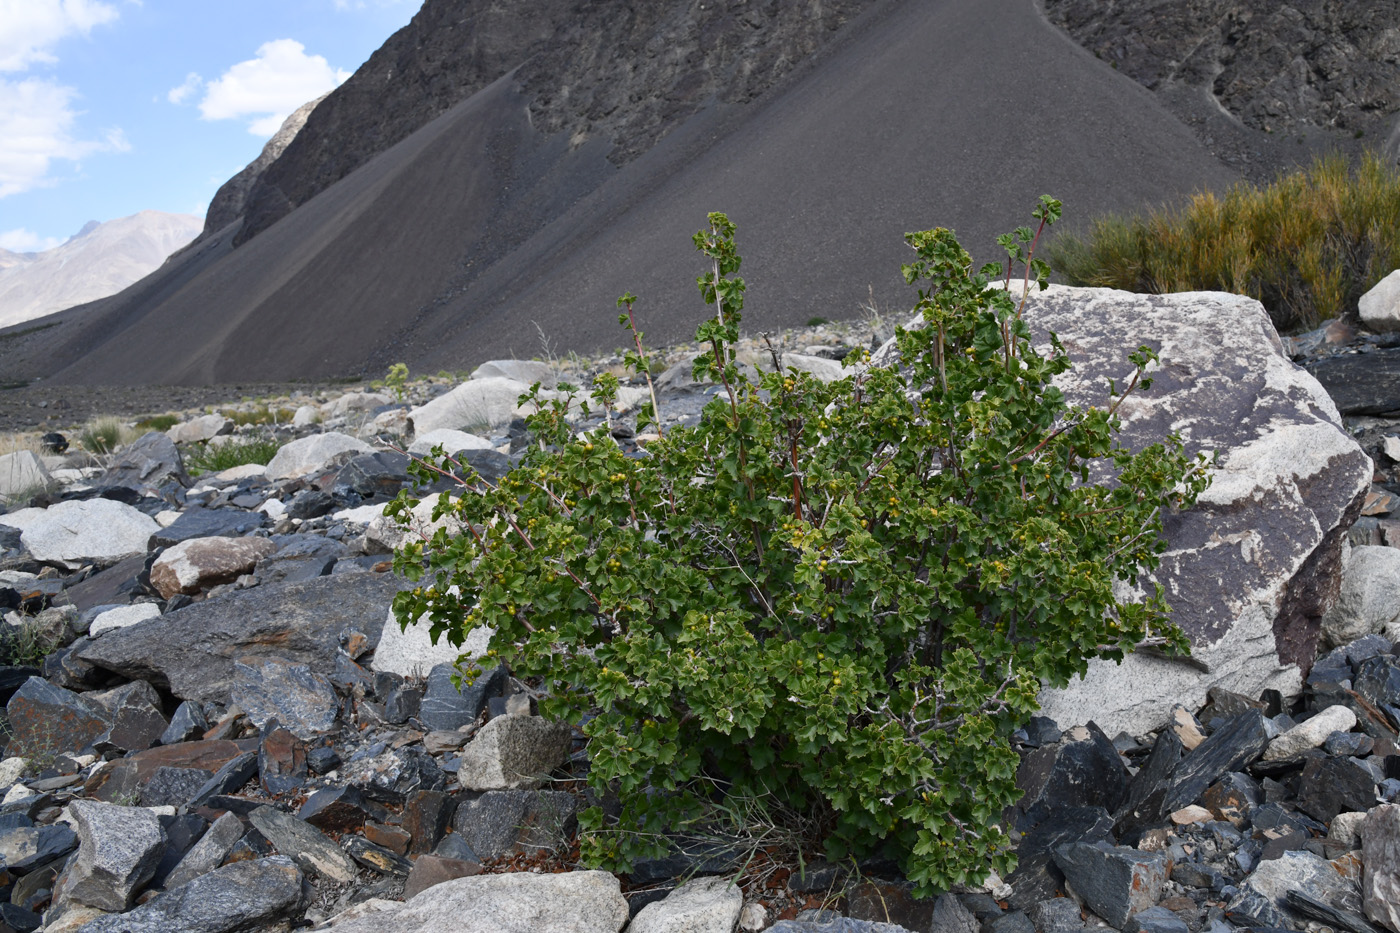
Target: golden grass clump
[[1307, 246]]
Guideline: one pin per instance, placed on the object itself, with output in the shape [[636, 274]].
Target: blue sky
[[109, 107]]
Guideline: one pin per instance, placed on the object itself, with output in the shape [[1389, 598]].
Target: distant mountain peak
[[99, 260]]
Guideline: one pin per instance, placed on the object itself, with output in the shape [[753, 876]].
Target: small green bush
[[397, 380], [837, 600], [213, 459], [1308, 246], [157, 423]]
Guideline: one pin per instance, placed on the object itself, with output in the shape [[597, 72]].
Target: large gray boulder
[[311, 453], [193, 650], [73, 533], [200, 563], [1252, 568], [574, 902], [475, 405]]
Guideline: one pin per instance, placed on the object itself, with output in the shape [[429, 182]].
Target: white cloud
[[30, 28], [178, 95], [36, 128], [26, 241], [268, 88]]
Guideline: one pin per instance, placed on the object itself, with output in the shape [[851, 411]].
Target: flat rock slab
[[193, 650], [1252, 567], [127, 776], [146, 464], [196, 522], [574, 902], [73, 533], [307, 845], [1361, 383], [251, 895]]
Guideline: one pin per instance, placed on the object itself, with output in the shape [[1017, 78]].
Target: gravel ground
[[44, 407]]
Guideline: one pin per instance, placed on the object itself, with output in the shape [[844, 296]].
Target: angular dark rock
[[311, 503], [392, 775], [299, 558], [950, 916], [1116, 882], [1329, 786], [1237, 743], [136, 720], [301, 700], [125, 777], [505, 822], [402, 704], [1378, 680], [1013, 921], [229, 778], [46, 719], [25, 848], [1232, 797], [193, 650], [455, 847], [173, 787], [199, 522], [339, 810], [1322, 912], [377, 858], [281, 761], [1037, 877], [445, 708], [1147, 791], [890, 902], [209, 852], [1082, 770], [248, 895], [322, 759], [188, 723], [426, 816], [150, 464], [183, 831], [393, 838], [1155, 920], [382, 473]]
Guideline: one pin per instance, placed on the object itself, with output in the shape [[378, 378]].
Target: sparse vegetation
[[215, 458], [158, 422], [105, 434], [259, 414], [1307, 246]]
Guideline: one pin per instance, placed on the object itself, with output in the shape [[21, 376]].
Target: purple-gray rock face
[[1272, 64], [1251, 569], [628, 72]]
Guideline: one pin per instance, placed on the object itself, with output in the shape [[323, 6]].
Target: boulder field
[[224, 729]]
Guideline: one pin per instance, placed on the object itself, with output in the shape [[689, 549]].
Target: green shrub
[[397, 380], [1307, 246], [837, 600], [214, 459]]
